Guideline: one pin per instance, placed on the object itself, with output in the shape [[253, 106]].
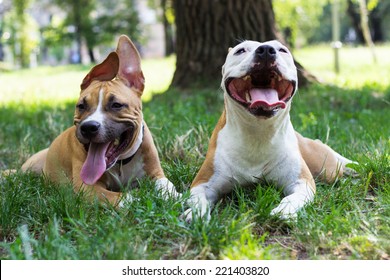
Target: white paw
[[126, 199], [187, 216], [192, 213], [350, 172], [167, 189], [286, 211]]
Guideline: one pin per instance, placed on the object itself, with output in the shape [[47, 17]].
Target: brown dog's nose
[[90, 129], [266, 53]]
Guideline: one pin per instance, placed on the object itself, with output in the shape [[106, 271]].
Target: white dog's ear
[[130, 64], [105, 71]]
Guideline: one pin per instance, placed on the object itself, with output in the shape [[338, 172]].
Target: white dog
[[254, 138]]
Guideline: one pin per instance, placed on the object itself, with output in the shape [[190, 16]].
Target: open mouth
[[102, 156], [262, 92]]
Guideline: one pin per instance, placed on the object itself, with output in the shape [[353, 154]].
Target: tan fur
[[320, 159], [207, 169], [63, 161], [150, 156]]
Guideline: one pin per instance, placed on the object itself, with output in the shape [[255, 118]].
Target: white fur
[[98, 115], [250, 149], [136, 145], [166, 188]]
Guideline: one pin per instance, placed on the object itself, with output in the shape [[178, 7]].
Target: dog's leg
[[36, 162], [166, 188], [201, 201], [297, 194], [323, 162]]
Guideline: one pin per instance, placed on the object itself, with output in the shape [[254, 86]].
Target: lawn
[[349, 219]]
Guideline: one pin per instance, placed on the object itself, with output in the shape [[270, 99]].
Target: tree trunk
[[168, 31], [78, 31], [376, 17], [354, 15], [366, 29], [206, 29], [91, 55]]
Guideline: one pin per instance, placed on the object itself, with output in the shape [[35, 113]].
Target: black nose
[[90, 129], [266, 53]]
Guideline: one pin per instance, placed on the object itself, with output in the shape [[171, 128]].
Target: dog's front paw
[[285, 211], [126, 199], [187, 215], [192, 213], [167, 189]]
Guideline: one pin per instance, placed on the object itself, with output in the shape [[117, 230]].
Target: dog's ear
[[130, 64], [105, 71]]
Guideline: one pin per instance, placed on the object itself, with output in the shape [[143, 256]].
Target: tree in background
[[376, 12], [79, 24], [206, 29], [168, 22], [96, 22], [24, 32], [121, 18], [298, 19]]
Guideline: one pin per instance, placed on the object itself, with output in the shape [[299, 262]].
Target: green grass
[[347, 220]]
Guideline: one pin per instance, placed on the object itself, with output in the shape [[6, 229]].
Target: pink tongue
[[95, 164], [267, 97]]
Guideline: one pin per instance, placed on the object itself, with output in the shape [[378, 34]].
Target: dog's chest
[[125, 175], [251, 158]]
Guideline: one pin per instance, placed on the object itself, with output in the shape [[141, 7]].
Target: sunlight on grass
[[356, 65], [55, 85], [59, 84]]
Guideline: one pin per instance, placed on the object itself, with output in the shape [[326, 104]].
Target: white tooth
[[116, 142], [248, 97], [279, 78], [246, 77]]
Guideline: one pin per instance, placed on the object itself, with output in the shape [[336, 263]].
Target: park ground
[[349, 219]]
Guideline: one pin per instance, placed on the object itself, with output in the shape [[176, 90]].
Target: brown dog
[[110, 145]]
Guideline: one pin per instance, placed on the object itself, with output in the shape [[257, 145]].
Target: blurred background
[[53, 32]]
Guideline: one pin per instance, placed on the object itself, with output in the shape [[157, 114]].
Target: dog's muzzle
[[263, 91]]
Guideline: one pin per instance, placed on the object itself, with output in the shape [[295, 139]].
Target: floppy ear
[[130, 64], [105, 71]]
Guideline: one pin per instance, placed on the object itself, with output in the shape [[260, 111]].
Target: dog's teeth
[[116, 142], [246, 77], [279, 78], [248, 97]]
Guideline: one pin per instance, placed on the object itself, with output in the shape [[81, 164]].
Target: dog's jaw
[[261, 96]]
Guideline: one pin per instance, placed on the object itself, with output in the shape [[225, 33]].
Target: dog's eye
[[81, 107], [116, 106], [239, 51], [283, 50]]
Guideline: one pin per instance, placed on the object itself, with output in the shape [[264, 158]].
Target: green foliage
[[297, 19], [24, 32], [347, 220]]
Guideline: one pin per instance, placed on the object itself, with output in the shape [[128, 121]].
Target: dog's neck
[[249, 126], [136, 145]]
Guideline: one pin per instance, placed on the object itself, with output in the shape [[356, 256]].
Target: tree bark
[[366, 29], [206, 29], [168, 31]]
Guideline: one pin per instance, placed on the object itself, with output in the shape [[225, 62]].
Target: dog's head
[[108, 115], [261, 77]]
